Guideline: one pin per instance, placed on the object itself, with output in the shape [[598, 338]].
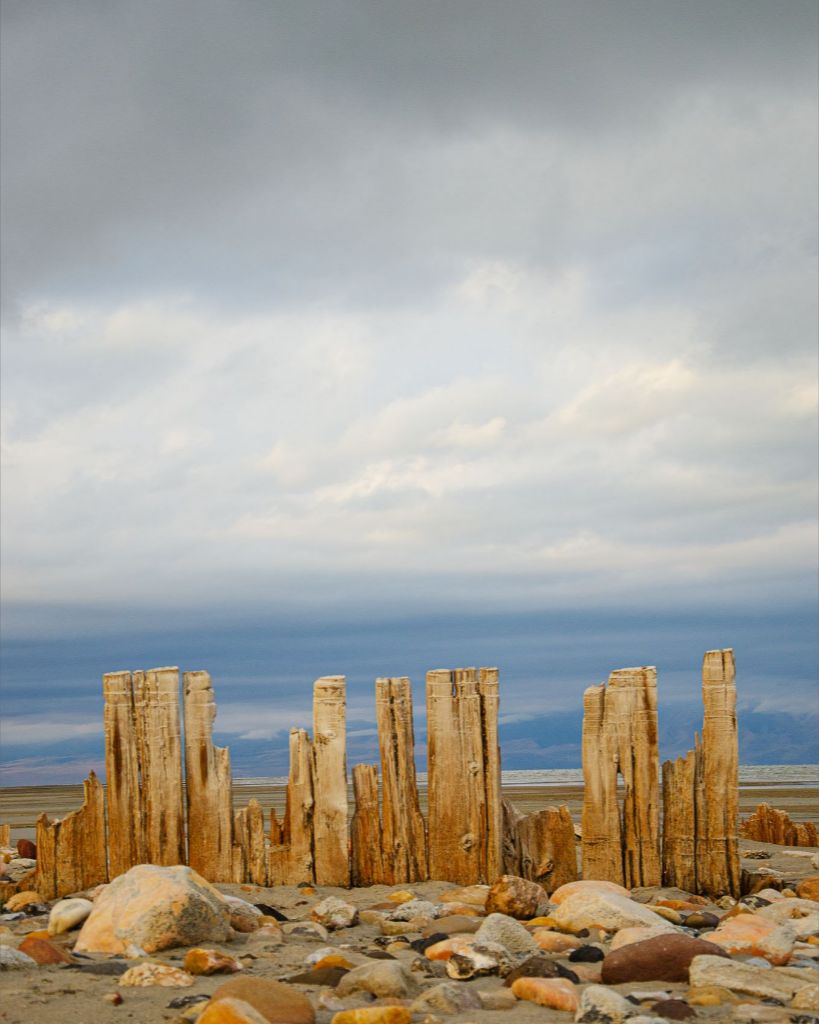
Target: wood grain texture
[[126, 845], [366, 860], [291, 860], [331, 841]]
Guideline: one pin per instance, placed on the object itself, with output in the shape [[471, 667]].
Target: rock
[[334, 913], [462, 909], [556, 993], [476, 895], [18, 868], [801, 915], [610, 911], [592, 973], [446, 998], [146, 974], [708, 971], [401, 896], [275, 1002], [586, 955], [210, 961], [269, 932], [497, 999], [319, 976], [806, 998], [663, 958], [601, 1005], [480, 958], [230, 1011], [445, 948], [507, 932], [668, 913], [673, 1009], [332, 960], [701, 919], [416, 924], [555, 942], [538, 967], [516, 897], [587, 885], [411, 909], [625, 936], [244, 917], [374, 1015], [383, 978], [26, 850], [152, 908], [42, 951], [68, 914], [808, 888], [710, 995], [453, 924], [306, 930], [754, 935], [21, 900], [14, 960], [114, 998]]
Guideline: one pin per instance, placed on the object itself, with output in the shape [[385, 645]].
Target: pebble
[[415, 924], [274, 1001], [230, 1011], [662, 958], [13, 960], [673, 1009], [497, 998], [701, 919], [210, 961], [244, 916], [738, 977], [68, 914], [755, 935], [668, 913], [21, 900], [586, 885], [710, 995], [334, 913], [452, 924], [401, 896], [374, 1015], [306, 930], [146, 974], [598, 1003], [447, 997], [382, 978], [471, 894], [586, 955], [26, 849], [808, 888], [555, 942], [611, 911], [42, 951], [412, 909], [18, 868], [516, 897], [539, 967], [555, 993], [481, 958], [319, 976], [114, 998], [806, 998], [509, 933]]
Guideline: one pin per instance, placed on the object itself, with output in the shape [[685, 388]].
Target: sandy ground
[[51, 995]]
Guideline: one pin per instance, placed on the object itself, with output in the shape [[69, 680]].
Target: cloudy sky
[[370, 337]]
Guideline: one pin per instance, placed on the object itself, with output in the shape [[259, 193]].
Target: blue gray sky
[[368, 338]]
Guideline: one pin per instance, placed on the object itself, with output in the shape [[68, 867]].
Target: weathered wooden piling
[[291, 858], [208, 784], [403, 842], [464, 836], [620, 736], [249, 853], [5, 836], [71, 853], [125, 836], [769, 825], [700, 793], [331, 844], [366, 859], [540, 846]]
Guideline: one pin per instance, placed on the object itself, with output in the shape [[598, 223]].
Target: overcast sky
[[348, 308]]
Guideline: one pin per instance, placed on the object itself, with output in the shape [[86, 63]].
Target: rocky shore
[[161, 944]]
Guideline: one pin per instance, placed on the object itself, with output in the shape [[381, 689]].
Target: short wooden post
[[367, 866]]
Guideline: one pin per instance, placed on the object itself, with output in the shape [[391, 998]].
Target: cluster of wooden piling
[[769, 825], [159, 812]]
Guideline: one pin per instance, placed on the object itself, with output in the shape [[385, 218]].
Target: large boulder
[[150, 908], [607, 910]]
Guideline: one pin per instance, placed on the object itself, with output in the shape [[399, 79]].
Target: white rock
[[739, 977], [605, 910], [334, 913], [508, 932], [413, 908], [598, 1002], [68, 914]]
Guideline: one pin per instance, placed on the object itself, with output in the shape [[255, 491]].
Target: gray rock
[[601, 1005], [763, 982], [382, 978], [446, 998], [411, 909], [334, 913], [483, 958], [507, 932], [13, 960], [18, 868]]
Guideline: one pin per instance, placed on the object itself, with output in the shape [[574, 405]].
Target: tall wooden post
[[125, 836], [331, 843], [291, 858]]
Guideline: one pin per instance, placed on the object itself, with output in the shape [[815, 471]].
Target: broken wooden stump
[[540, 846], [700, 851], [71, 853], [464, 834], [249, 853], [367, 866], [403, 842], [331, 843], [208, 784], [5, 836], [620, 736], [769, 825], [290, 858]]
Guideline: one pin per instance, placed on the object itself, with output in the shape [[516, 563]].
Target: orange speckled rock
[[276, 1002], [586, 885], [210, 961], [753, 935], [808, 888], [230, 1011], [555, 942], [374, 1015], [43, 951], [151, 908], [334, 960], [147, 974], [402, 896], [556, 993], [516, 897], [444, 950]]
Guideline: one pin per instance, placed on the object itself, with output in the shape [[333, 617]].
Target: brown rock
[[673, 1009], [516, 897], [808, 888], [274, 1001], [210, 961], [43, 951], [663, 958], [25, 848]]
